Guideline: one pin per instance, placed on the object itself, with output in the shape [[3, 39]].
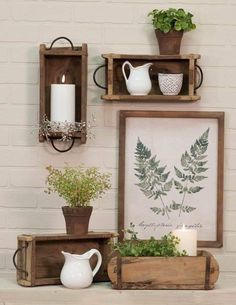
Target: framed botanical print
[[171, 173]]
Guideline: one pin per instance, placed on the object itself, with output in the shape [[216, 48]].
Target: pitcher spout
[[147, 65], [67, 255]]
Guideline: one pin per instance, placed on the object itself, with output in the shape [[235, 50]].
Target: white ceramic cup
[[170, 84]]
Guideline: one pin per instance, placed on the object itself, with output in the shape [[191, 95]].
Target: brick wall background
[[119, 26]]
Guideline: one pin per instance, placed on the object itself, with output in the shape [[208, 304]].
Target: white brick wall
[[119, 26]]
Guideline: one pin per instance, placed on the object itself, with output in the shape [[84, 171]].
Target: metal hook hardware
[[62, 37], [94, 77], [14, 260], [201, 77], [62, 150]]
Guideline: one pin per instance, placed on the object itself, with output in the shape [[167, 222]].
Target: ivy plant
[[152, 247], [172, 19]]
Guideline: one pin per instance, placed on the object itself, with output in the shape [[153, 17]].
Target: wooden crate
[[115, 82], [39, 260], [189, 272]]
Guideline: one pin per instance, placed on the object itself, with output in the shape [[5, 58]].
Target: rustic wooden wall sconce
[[63, 93]]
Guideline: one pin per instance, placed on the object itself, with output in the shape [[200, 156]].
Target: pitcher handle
[[123, 69], [99, 262]]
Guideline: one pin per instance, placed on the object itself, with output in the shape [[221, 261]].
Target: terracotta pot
[[169, 43], [77, 219]]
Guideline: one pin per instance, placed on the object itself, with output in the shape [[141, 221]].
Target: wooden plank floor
[[102, 294]]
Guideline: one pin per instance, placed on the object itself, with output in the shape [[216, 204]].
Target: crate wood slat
[[53, 63], [151, 98], [200, 272], [116, 86], [43, 261]]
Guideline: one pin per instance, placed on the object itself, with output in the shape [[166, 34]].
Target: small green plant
[[152, 247], [78, 186], [172, 19]]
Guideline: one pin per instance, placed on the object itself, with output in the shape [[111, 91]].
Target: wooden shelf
[[116, 86], [151, 98]]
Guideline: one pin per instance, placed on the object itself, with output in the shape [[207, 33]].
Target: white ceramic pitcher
[[76, 272], [139, 82]]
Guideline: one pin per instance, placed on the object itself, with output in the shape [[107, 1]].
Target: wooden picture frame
[[192, 186]]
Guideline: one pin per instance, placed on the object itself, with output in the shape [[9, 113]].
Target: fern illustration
[[152, 176], [193, 166]]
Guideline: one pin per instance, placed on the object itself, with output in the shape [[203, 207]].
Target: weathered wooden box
[[39, 258], [186, 64], [189, 272]]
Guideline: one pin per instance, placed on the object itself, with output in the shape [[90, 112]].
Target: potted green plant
[[158, 264], [169, 27], [78, 186]]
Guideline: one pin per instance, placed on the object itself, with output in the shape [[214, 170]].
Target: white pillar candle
[[62, 103], [188, 240]]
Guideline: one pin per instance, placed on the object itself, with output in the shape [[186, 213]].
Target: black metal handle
[[62, 37], [94, 77], [201, 77], [14, 260], [62, 150]]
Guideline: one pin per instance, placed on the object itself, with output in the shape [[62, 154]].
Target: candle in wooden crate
[[188, 240]]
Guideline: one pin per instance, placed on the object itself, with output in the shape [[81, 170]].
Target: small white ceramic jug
[[76, 272], [139, 82]]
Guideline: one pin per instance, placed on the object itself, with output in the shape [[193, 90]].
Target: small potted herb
[[78, 186], [169, 27]]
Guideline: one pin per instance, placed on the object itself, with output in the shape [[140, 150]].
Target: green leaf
[[152, 177], [142, 152], [178, 185], [175, 206], [187, 209], [156, 210], [201, 163], [201, 170], [195, 189], [164, 177], [199, 178], [160, 170], [168, 185], [166, 20], [178, 172]]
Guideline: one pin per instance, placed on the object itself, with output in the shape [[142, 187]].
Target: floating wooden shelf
[[115, 82]]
